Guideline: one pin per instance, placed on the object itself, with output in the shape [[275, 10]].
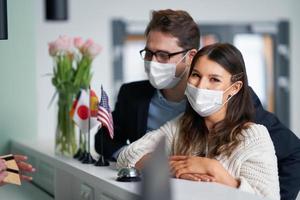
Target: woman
[[215, 139]]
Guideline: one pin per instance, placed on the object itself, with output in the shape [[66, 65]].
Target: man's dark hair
[[177, 23]]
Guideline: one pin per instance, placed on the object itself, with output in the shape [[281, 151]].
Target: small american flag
[[104, 113]]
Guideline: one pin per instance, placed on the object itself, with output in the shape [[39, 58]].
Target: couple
[[221, 136]]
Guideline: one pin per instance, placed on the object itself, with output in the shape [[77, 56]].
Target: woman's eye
[[215, 80], [195, 75]]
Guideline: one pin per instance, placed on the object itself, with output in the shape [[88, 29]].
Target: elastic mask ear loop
[[186, 67], [229, 96]]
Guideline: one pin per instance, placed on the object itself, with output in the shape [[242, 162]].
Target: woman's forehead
[[205, 66]]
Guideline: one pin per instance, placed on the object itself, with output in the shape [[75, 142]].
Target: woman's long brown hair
[[226, 135]]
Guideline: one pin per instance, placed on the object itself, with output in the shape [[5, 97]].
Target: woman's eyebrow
[[215, 75]]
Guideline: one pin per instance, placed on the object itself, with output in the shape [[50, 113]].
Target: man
[[172, 40]]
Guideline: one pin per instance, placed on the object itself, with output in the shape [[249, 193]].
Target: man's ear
[[191, 55]]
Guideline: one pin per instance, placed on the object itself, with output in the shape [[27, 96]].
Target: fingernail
[[33, 169]]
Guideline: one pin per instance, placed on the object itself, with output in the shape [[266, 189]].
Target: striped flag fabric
[[104, 114]]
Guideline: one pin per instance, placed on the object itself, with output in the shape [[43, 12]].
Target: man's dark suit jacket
[[130, 123]]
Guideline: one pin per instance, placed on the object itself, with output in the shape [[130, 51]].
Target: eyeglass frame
[[159, 51]]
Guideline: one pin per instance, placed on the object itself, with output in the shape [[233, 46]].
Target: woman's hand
[[190, 165], [201, 169], [198, 177], [24, 167], [140, 164], [3, 173]]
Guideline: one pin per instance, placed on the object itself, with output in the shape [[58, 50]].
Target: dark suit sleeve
[[287, 147], [110, 146]]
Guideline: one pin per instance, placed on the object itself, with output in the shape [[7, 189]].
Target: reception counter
[[63, 178]]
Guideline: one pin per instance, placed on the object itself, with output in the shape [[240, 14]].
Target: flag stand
[[101, 161], [84, 152], [88, 157], [80, 151]]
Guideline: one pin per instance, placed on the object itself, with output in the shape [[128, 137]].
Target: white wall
[[92, 19], [17, 76]]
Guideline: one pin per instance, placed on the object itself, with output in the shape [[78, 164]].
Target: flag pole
[[84, 152], [101, 161], [80, 151], [89, 159]]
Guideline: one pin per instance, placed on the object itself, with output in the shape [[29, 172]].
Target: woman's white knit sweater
[[253, 162]]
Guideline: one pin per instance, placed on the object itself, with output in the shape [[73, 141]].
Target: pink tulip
[[93, 50], [78, 42], [87, 44], [52, 49], [64, 43]]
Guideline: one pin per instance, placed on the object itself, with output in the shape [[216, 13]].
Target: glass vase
[[65, 141]]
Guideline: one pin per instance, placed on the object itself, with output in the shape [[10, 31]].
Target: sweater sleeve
[[258, 171], [130, 155]]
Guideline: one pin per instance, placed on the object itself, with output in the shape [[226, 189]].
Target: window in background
[[133, 63], [252, 49]]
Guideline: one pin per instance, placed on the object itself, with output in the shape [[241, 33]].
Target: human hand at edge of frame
[[24, 167], [3, 173]]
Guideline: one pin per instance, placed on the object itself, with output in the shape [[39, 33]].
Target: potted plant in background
[[71, 72]]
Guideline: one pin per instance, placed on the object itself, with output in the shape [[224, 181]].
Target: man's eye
[[148, 54], [162, 55]]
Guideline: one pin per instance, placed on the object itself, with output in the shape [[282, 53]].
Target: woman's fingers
[[2, 165], [26, 178], [176, 165], [181, 171], [20, 158], [189, 177], [25, 167], [177, 158], [2, 176], [205, 177], [197, 177]]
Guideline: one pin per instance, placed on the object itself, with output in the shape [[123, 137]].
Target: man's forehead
[[160, 41]]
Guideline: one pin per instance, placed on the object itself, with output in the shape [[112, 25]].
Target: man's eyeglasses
[[161, 56]]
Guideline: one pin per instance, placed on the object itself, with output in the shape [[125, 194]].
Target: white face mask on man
[[205, 102], [162, 75]]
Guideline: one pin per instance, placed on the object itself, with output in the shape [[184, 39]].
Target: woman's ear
[[236, 87]]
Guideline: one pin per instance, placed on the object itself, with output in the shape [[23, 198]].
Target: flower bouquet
[[71, 72]]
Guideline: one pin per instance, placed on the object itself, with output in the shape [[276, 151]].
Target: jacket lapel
[[143, 110]]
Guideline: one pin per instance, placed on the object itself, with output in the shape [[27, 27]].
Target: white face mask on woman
[[205, 102], [162, 75]]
